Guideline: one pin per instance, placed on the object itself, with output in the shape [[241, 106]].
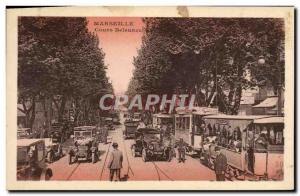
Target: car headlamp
[[151, 147]]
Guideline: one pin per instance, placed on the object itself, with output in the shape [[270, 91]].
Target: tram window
[[200, 128], [278, 132], [273, 135], [209, 129], [182, 123], [226, 136]]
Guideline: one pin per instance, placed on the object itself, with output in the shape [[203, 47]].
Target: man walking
[[181, 151], [115, 162], [220, 165]]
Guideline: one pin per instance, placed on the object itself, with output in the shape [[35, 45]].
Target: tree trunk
[[231, 93], [237, 100], [32, 118], [62, 109], [77, 110], [211, 95]]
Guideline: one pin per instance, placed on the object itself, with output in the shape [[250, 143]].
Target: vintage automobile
[[85, 145], [54, 150], [137, 116], [24, 133], [31, 160], [109, 123], [57, 133], [149, 144], [130, 129]]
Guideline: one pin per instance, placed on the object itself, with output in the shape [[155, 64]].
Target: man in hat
[[115, 162], [181, 151], [220, 165]]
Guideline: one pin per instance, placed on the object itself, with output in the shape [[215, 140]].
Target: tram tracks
[[105, 159], [73, 171], [129, 169], [160, 173], [159, 170]]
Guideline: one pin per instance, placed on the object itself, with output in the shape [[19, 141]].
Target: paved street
[[134, 168]]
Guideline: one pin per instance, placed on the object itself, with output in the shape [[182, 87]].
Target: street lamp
[[261, 60]]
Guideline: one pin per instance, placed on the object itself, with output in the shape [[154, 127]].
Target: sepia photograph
[[128, 97]]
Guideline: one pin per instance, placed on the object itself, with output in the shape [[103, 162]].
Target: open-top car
[[57, 133], [149, 144], [24, 133], [31, 160], [54, 150], [109, 123], [85, 145]]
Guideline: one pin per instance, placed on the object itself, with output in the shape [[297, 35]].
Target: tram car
[[161, 119], [183, 126], [246, 143], [189, 127], [198, 126], [269, 159]]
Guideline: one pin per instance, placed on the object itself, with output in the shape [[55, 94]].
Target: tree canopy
[[208, 55], [59, 56]]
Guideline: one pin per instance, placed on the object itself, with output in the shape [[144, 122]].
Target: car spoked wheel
[[133, 151], [144, 155]]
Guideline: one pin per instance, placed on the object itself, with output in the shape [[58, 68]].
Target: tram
[[269, 158], [253, 145], [189, 127], [161, 119]]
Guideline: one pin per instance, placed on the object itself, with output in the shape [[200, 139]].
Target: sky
[[119, 47]]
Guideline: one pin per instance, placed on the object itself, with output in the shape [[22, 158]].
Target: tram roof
[[148, 130], [23, 129], [27, 142], [235, 117], [163, 115], [269, 120], [83, 128]]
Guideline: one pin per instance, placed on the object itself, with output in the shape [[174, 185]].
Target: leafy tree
[[60, 60], [209, 55]]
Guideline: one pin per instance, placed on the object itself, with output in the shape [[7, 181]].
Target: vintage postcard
[[150, 98]]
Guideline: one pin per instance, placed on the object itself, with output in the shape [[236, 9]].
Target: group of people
[[223, 136], [115, 162]]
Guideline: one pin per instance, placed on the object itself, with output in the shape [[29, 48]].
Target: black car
[[130, 129], [149, 144]]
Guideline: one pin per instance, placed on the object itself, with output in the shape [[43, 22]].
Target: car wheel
[[133, 151], [144, 155], [46, 175]]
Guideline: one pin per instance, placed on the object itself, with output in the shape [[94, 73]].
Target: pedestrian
[[115, 162], [181, 151], [220, 165], [250, 159]]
